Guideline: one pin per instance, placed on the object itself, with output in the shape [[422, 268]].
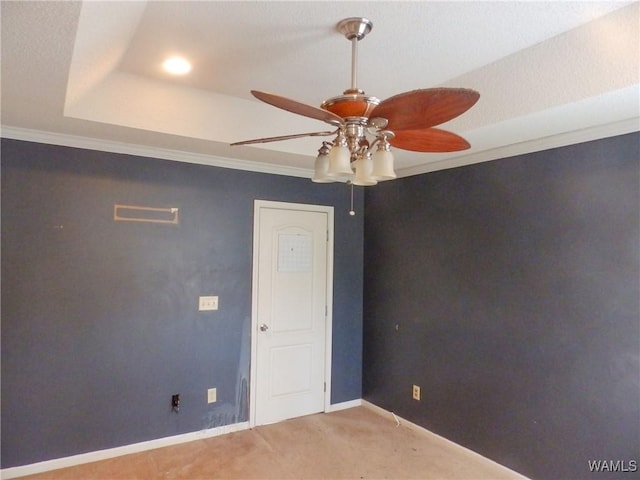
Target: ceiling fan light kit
[[367, 127]]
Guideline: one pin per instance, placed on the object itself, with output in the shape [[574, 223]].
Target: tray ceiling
[[88, 74]]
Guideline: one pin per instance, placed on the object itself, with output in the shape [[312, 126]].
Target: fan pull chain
[[352, 212]]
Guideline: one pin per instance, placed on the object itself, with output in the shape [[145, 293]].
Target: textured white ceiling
[[549, 73]]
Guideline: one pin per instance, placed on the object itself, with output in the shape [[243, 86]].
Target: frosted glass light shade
[[383, 166], [339, 161], [320, 174], [364, 166]]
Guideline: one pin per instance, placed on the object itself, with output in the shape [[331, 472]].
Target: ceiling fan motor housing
[[351, 105]]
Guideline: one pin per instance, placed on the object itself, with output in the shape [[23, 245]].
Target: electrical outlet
[[416, 392], [175, 402], [207, 303], [212, 395]]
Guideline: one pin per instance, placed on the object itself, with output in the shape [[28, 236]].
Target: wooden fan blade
[[428, 140], [284, 137], [297, 107], [425, 108]]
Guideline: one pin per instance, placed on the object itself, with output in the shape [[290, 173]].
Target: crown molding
[[88, 143], [622, 127], [568, 138]]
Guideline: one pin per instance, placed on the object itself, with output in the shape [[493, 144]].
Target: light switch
[[208, 303]]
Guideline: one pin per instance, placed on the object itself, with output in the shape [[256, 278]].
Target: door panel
[[291, 328], [294, 364]]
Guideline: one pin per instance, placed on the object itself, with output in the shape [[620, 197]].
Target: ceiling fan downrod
[[354, 29], [353, 106]]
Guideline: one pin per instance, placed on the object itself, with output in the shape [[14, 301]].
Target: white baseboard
[[335, 407], [48, 465], [448, 443]]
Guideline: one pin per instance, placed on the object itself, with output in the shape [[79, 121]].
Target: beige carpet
[[358, 443]]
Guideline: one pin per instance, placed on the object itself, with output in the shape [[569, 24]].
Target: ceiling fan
[[404, 121]]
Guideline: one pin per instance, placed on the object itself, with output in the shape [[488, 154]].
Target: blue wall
[[99, 318], [509, 291]]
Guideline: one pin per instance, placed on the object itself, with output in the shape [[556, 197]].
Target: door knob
[[264, 328]]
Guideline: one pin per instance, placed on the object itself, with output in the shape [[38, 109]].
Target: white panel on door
[[292, 281], [294, 369], [295, 253]]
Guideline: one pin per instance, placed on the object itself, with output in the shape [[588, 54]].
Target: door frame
[[257, 206]]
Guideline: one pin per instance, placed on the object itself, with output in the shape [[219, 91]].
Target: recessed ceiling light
[[176, 65]]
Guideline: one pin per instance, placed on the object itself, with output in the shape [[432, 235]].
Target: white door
[[290, 359]]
